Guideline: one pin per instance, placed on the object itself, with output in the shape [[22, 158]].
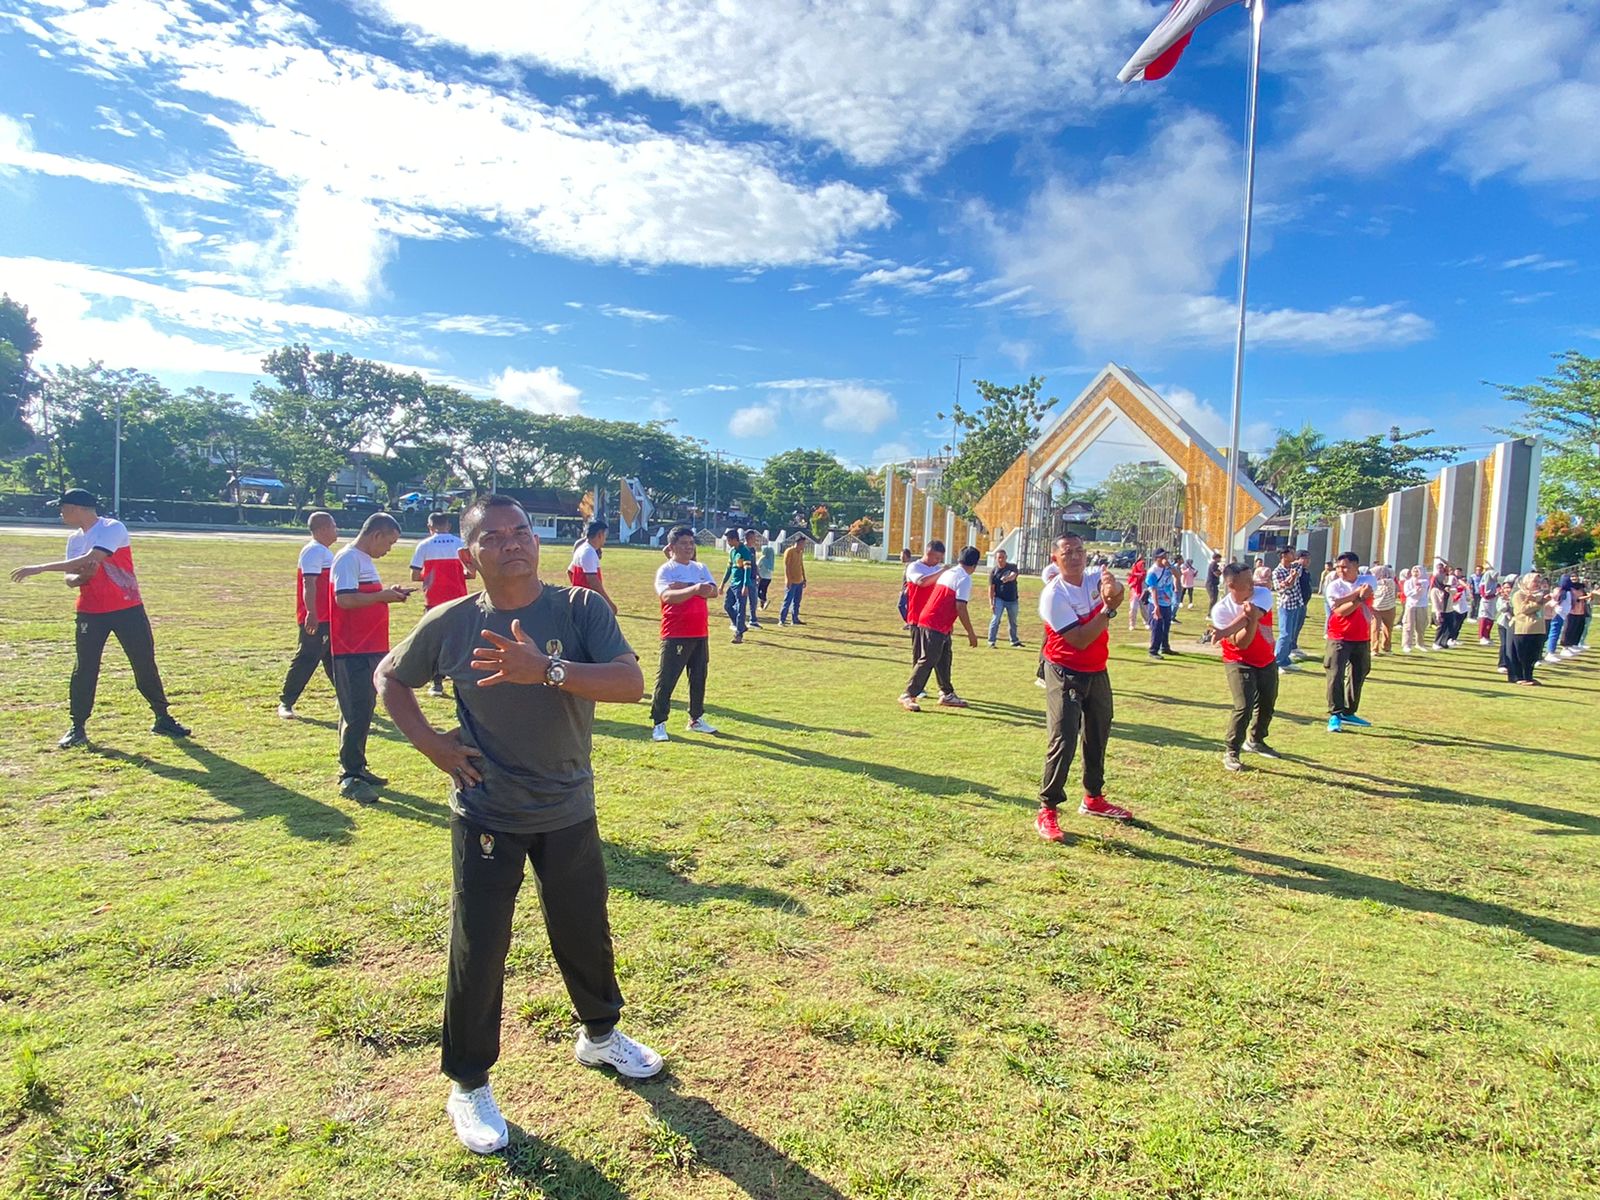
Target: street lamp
[[116, 461]]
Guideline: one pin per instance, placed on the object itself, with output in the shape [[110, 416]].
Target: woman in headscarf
[[1577, 625], [1414, 588], [1528, 626], [1384, 597], [1488, 598]]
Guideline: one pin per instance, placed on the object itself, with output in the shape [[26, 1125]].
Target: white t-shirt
[[352, 568], [958, 581], [1416, 592], [435, 546], [586, 558], [1463, 602], [315, 558], [1227, 610], [108, 534], [1050, 572], [918, 571], [671, 574], [1063, 605]]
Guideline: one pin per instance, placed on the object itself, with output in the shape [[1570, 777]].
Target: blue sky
[[779, 226]]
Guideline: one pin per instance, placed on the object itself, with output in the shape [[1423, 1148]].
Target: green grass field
[[1368, 970]]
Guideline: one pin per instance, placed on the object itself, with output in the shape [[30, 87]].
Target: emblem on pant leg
[[1072, 695], [486, 844]]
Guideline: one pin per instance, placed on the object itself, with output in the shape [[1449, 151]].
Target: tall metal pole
[[956, 399], [1258, 12], [116, 469]]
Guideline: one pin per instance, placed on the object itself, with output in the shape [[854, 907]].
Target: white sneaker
[[477, 1119], [285, 713], [1503, 670], [619, 1052], [1568, 652], [1483, 641], [1405, 649], [1553, 659], [701, 725], [659, 733], [1039, 683]]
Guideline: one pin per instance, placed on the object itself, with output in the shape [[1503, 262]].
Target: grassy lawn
[[1368, 970]]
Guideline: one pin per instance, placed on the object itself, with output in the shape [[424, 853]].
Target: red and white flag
[[1162, 48]]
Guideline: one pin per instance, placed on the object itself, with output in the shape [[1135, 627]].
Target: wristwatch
[[1111, 614], [555, 674]]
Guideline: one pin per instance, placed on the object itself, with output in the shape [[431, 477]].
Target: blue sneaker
[[1335, 725], [1358, 722]]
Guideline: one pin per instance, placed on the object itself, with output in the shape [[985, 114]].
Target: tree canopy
[[19, 339], [1564, 408], [992, 437], [1126, 488]]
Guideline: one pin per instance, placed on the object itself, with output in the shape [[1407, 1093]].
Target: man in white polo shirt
[[312, 606], [99, 564]]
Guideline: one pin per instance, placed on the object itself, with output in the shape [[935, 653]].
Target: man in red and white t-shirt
[[1242, 621], [359, 639], [99, 564], [684, 584], [1077, 609], [312, 605], [442, 569], [934, 609], [584, 570], [920, 576], [1348, 657]]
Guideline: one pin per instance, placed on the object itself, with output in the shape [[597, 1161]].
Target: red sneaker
[[1047, 826], [1098, 806]]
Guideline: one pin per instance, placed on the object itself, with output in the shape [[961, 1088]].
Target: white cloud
[[879, 80], [617, 373], [755, 420], [710, 387], [1538, 262], [642, 315], [1496, 87], [892, 452], [1211, 424], [1133, 257], [798, 385], [552, 328], [18, 153], [365, 151], [852, 407], [541, 390], [917, 280], [477, 325]]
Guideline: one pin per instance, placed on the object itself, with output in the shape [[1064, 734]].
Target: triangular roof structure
[[1117, 392]]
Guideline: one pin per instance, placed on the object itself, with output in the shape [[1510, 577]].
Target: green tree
[[1361, 472], [1284, 467], [19, 385], [791, 484], [1561, 540], [1564, 408], [992, 437], [164, 444], [1124, 492]]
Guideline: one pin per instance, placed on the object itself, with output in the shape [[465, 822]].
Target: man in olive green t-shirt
[[529, 662]]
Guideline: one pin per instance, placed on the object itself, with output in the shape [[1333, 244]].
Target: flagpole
[[1258, 12]]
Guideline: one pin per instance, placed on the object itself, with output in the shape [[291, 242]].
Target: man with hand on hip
[[529, 663]]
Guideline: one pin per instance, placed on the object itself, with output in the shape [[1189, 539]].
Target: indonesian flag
[[1162, 48]]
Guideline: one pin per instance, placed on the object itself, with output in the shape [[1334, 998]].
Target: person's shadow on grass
[[548, 1168], [1316, 878], [752, 1164], [659, 875], [254, 795]]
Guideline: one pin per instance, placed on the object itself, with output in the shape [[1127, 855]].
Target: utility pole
[[116, 470], [956, 398]]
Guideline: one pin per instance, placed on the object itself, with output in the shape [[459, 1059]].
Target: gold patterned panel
[[1480, 552], [1431, 541]]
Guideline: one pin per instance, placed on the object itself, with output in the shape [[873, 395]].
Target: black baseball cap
[[78, 496]]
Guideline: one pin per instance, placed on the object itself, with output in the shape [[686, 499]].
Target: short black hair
[[730, 533], [379, 522], [1349, 556], [933, 544], [1287, 551], [969, 556], [678, 531], [440, 519], [593, 527], [475, 512], [1233, 569]]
